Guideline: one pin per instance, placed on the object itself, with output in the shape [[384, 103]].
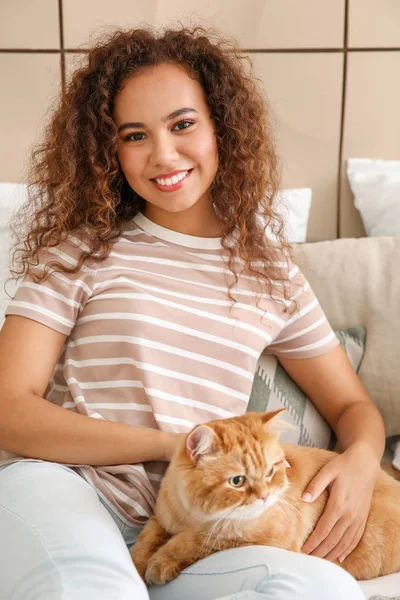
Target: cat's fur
[[198, 512]]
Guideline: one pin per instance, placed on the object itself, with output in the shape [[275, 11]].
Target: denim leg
[[260, 573], [58, 541]]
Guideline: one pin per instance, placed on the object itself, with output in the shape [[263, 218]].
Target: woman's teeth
[[173, 179]]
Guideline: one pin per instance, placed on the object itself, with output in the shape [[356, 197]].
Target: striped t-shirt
[[155, 341]]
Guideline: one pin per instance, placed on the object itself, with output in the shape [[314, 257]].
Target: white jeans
[[58, 540]]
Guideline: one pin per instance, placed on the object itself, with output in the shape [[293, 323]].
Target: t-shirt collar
[[174, 237]]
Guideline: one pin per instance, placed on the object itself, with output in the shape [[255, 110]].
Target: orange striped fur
[[200, 511]]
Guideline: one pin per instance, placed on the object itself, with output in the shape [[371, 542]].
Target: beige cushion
[[357, 281]]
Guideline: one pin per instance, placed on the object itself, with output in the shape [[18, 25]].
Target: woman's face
[[165, 132]]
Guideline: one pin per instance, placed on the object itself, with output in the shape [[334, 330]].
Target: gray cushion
[[273, 388]]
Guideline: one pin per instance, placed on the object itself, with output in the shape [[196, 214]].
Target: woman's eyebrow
[[173, 115]]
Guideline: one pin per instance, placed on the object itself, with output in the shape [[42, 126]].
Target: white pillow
[[376, 188], [294, 206], [297, 204], [12, 195]]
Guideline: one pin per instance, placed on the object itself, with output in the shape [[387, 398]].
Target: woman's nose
[[164, 152]]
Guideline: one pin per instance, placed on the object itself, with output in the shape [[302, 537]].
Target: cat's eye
[[270, 472], [237, 481]]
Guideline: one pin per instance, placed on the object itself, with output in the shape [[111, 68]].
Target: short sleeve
[[307, 332], [57, 301]]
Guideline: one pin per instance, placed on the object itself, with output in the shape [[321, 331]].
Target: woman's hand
[[170, 442], [350, 478]]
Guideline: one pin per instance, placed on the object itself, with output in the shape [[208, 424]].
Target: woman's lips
[[174, 186]]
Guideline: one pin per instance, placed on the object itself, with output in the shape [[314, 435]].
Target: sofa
[[357, 281]]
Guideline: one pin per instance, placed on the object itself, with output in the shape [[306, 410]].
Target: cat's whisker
[[212, 529], [224, 521], [238, 520], [240, 524], [279, 509], [290, 506]]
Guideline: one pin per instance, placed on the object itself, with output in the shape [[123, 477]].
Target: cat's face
[[237, 469]]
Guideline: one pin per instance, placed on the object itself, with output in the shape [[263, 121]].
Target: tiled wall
[[329, 67]]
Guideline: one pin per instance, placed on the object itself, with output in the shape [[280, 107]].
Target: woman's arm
[[333, 386], [33, 427], [335, 389]]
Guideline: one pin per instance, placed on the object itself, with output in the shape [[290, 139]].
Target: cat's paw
[[140, 564], [161, 569]]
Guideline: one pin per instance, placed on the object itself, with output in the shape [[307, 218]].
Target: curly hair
[[75, 180]]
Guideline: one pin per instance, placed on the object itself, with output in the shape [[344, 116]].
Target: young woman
[[149, 288]]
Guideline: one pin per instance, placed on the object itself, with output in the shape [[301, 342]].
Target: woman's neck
[[196, 221]]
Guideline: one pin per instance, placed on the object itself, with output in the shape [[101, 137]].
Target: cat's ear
[[272, 423], [202, 441]]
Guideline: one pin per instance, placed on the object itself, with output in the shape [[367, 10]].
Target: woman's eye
[[237, 481], [131, 137], [183, 123], [270, 472]]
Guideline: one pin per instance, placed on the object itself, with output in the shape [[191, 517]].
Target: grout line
[[62, 52], [391, 49], [326, 50], [344, 89], [284, 50], [30, 51]]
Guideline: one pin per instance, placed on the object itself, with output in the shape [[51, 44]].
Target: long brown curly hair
[[75, 180]]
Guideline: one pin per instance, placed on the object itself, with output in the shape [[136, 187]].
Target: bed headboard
[[330, 69]]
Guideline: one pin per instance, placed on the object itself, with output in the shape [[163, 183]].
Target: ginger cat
[[228, 485]]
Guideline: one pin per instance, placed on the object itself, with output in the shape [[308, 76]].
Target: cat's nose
[[264, 496]]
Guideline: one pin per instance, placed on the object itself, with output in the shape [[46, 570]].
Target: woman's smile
[[170, 184], [167, 147]]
